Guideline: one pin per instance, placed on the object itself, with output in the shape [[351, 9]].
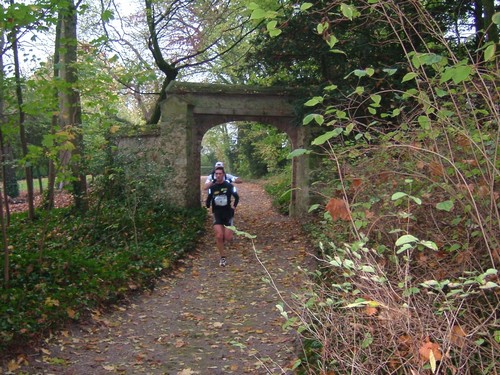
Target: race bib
[[221, 200]]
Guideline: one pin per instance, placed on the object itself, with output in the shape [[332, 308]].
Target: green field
[[36, 185]]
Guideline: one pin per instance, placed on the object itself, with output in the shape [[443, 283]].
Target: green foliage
[[248, 149], [24, 16], [262, 150], [87, 262], [306, 52], [100, 105], [220, 144], [134, 177], [12, 189], [278, 187]]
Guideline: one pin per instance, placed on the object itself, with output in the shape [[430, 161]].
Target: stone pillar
[[299, 204], [179, 144]]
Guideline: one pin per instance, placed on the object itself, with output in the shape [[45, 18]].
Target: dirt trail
[[203, 319]]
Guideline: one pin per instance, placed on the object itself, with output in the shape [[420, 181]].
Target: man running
[[227, 176], [219, 197]]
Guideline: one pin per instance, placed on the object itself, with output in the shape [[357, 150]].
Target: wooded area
[[404, 163]]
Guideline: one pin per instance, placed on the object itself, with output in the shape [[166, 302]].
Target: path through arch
[[202, 319]]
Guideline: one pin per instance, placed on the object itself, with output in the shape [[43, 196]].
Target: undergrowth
[[278, 188], [63, 266], [406, 211]]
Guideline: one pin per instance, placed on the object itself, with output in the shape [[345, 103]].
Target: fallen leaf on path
[[179, 344], [187, 371], [13, 366]]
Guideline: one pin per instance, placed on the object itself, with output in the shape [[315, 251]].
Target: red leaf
[[338, 209]]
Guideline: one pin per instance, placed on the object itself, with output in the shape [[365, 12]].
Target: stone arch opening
[[236, 139]]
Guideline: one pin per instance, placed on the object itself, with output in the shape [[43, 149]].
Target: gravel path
[[201, 319]]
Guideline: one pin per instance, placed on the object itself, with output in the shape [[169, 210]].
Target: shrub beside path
[[200, 319]]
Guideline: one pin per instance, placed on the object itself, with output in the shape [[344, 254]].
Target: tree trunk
[[3, 213], [22, 131], [5, 246], [70, 105], [156, 114], [11, 186], [490, 26], [51, 180], [39, 178], [2, 149], [51, 175], [8, 174], [168, 69]]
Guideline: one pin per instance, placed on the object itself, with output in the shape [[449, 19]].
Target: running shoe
[[222, 262]]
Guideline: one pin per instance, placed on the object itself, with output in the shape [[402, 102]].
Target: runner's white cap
[[219, 164]]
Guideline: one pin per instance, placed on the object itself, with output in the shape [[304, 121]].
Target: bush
[[370, 315], [408, 218], [279, 188]]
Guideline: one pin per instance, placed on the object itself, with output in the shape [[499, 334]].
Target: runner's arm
[[208, 201], [236, 197], [209, 182]]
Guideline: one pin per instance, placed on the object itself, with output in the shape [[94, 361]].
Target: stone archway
[[191, 109]]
